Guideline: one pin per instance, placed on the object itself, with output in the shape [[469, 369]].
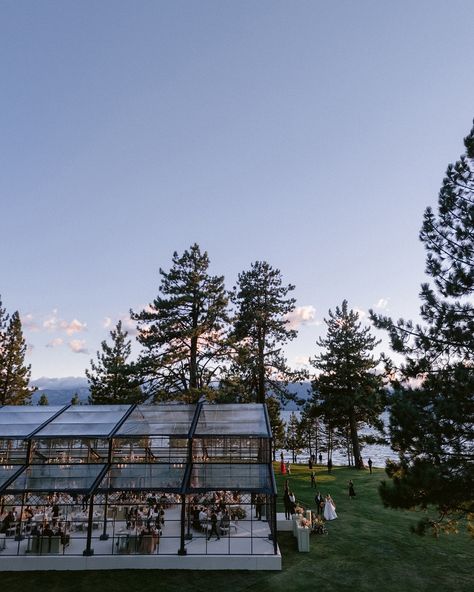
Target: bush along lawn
[[368, 548]]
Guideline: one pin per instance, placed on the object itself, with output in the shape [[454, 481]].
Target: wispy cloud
[[382, 304], [301, 316], [28, 322], [360, 312], [53, 323], [56, 342], [107, 322], [74, 326], [78, 346]]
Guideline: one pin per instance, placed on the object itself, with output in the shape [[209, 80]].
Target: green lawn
[[368, 548]]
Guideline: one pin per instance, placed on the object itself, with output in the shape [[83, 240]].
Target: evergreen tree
[[260, 330], [348, 390], [14, 374], [112, 379], [276, 423], [75, 399], [293, 436], [183, 330], [43, 400], [311, 429], [432, 419]]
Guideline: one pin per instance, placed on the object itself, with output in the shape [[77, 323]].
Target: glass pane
[[158, 420], [231, 477], [85, 420], [130, 477], [21, 420], [50, 478], [235, 419]]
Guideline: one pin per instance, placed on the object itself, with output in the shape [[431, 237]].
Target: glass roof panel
[[234, 419], [6, 472], [18, 421], [84, 420], [130, 477], [245, 477], [158, 420]]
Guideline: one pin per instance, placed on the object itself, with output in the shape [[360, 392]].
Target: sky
[[309, 134]]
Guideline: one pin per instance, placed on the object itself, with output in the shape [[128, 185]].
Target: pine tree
[[261, 329], [294, 441], [183, 332], [276, 423], [348, 390], [14, 374], [75, 399], [43, 400], [432, 424], [112, 379]]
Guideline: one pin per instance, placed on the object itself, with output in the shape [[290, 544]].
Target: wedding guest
[[351, 489], [369, 462]]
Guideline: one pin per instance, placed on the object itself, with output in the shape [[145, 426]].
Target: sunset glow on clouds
[[78, 346], [302, 315]]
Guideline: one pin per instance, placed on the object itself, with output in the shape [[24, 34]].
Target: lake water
[[377, 452]]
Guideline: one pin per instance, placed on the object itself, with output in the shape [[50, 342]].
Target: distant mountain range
[[60, 391]]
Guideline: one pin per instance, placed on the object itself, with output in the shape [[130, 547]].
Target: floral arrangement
[[238, 513], [305, 523]]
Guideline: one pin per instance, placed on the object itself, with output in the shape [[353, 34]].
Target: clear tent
[[182, 453]]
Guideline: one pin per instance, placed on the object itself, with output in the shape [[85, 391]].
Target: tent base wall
[[195, 562]]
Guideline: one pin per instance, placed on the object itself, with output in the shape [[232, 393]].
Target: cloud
[[29, 323], [360, 312], [74, 326], [382, 304], [51, 322], [56, 342], [301, 361], [54, 323], [106, 322], [301, 316], [78, 346]]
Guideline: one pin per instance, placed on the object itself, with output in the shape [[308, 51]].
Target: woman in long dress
[[329, 508]]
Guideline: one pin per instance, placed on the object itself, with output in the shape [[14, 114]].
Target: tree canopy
[[262, 304], [183, 330], [432, 422], [112, 378], [348, 391]]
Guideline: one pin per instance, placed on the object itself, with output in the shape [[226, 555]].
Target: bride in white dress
[[329, 508]]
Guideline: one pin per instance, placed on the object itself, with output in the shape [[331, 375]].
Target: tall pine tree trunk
[[355, 441], [261, 371], [193, 364]]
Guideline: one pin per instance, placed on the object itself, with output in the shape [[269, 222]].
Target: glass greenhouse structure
[[164, 479]]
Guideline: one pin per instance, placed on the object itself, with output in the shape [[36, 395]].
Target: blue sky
[[309, 134]]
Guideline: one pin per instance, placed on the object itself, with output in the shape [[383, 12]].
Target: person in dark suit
[[213, 526], [369, 462], [351, 489], [319, 501], [258, 507], [287, 504]]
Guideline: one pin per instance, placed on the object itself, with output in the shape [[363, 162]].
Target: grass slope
[[369, 548]]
